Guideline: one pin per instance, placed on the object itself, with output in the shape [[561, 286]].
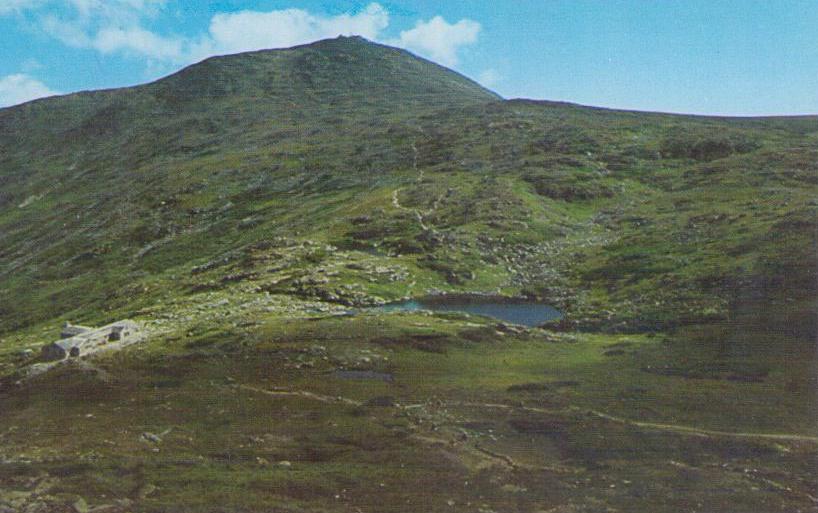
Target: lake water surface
[[515, 311]]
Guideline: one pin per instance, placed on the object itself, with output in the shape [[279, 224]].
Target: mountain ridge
[[331, 45], [359, 39], [254, 131]]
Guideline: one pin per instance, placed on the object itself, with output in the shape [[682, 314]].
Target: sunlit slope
[[626, 220]]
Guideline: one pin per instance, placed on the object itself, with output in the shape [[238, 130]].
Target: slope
[[249, 209]]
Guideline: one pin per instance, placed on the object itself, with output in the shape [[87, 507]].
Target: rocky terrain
[[253, 211]]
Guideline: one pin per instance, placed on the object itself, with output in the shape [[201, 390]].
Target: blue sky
[[733, 57]]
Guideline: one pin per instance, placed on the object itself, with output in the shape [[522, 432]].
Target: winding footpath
[[707, 433], [419, 215], [656, 426]]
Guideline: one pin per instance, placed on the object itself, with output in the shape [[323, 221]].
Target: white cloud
[[139, 41], [439, 39], [87, 8], [112, 26], [67, 32], [31, 64], [253, 30], [488, 77], [119, 26], [88, 5], [20, 88], [436, 39], [114, 11]]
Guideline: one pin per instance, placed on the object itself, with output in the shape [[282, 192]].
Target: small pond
[[516, 311]]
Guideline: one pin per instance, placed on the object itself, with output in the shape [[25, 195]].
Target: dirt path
[[419, 215], [707, 433], [396, 201], [676, 428], [302, 393], [489, 457], [415, 163]]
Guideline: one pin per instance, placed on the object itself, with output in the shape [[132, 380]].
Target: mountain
[[140, 180], [91, 169], [252, 209], [329, 79]]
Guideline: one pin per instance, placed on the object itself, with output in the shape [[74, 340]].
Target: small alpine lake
[[520, 311]]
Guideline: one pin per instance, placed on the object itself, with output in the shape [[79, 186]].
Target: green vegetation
[[241, 207]]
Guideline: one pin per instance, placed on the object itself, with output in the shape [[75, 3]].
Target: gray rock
[[80, 506], [150, 437]]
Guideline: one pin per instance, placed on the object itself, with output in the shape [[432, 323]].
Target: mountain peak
[[346, 69]]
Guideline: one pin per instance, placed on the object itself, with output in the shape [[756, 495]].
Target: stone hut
[[76, 341], [69, 330]]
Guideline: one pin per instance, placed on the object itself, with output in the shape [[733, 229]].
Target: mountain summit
[[349, 74], [349, 71], [320, 84]]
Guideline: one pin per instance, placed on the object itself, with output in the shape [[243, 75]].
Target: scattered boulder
[[80, 506], [150, 437]]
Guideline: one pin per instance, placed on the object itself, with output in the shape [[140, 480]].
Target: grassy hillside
[[240, 207], [101, 189]]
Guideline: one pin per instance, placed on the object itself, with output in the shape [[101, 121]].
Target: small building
[[78, 341], [56, 351]]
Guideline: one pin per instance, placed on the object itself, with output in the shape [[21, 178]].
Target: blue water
[[518, 311]]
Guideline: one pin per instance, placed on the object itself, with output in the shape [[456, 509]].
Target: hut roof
[[69, 330]]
